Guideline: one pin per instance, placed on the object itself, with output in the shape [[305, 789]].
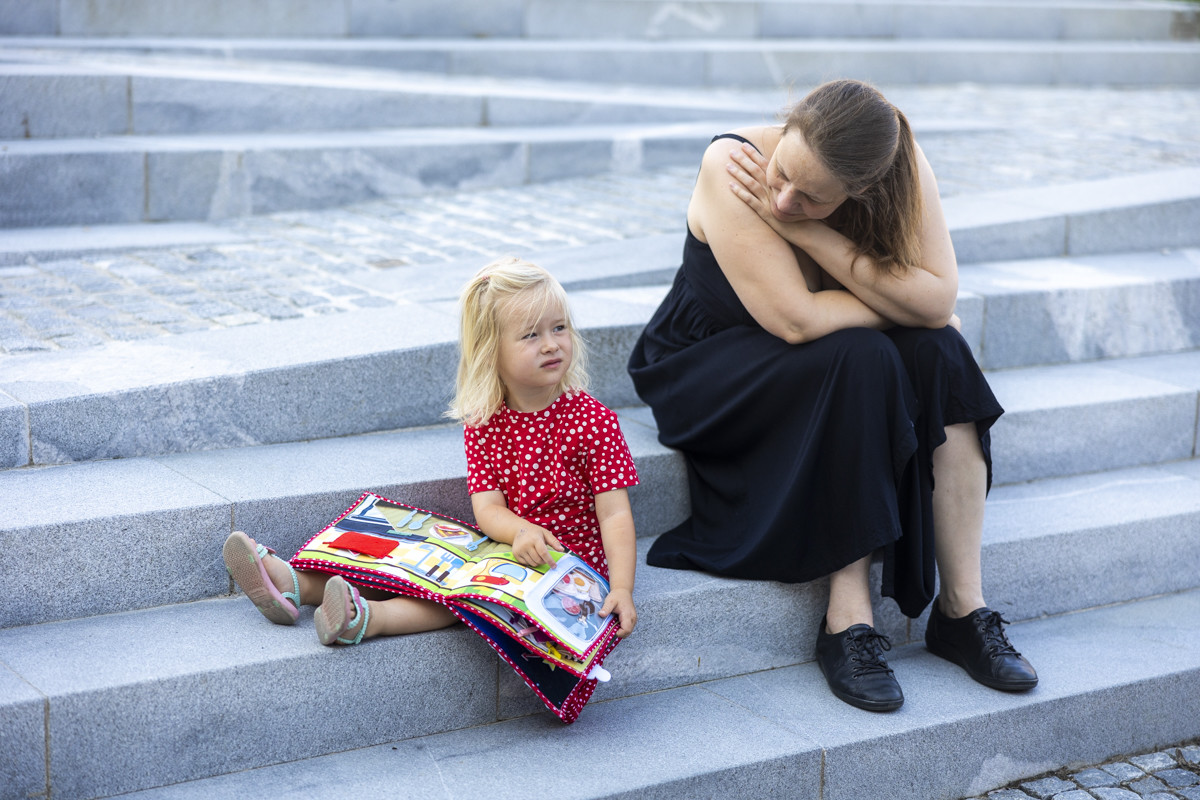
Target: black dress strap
[[735, 136]]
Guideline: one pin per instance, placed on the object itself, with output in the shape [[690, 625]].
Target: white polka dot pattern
[[550, 465]]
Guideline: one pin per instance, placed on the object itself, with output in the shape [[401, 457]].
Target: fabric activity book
[[544, 621]]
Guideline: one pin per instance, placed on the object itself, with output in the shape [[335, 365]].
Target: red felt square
[[362, 543]]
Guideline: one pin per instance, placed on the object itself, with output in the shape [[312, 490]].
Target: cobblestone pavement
[[1168, 774], [305, 264]]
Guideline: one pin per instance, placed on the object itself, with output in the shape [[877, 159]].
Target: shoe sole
[[992, 683], [865, 705], [251, 577]]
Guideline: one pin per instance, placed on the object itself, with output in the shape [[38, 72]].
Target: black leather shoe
[[977, 643], [853, 664]]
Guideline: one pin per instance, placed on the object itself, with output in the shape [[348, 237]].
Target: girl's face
[[534, 356], [799, 186]]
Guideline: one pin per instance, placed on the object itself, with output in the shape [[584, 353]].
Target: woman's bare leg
[[960, 488], [850, 597]]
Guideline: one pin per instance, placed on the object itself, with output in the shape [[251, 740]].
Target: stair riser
[[197, 183], [68, 105], [554, 19]]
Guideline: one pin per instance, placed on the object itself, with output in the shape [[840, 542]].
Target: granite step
[[106, 691], [244, 385], [59, 93], [1099, 19], [130, 179], [173, 512], [731, 63]]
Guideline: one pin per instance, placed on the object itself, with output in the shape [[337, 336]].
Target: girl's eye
[[559, 328]]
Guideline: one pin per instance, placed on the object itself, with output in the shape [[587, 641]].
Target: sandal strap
[[294, 595], [361, 609]]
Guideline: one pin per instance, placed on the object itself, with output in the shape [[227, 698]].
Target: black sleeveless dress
[[802, 458]]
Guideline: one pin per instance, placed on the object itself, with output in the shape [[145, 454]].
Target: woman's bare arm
[[920, 297], [761, 265]]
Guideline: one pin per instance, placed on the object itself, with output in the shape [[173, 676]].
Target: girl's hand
[[749, 167], [532, 545], [620, 602]]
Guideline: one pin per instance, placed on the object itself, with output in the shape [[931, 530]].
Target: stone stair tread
[[774, 730], [284, 493], [1013, 18]]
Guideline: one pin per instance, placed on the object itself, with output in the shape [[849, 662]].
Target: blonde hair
[[505, 286], [867, 145]]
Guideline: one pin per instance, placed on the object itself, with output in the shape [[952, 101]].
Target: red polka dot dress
[[550, 465]]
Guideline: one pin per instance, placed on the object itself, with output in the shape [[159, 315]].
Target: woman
[[807, 362]]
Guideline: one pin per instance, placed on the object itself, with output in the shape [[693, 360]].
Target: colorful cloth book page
[[543, 621]]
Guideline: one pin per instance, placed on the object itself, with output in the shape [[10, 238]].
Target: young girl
[[542, 456]]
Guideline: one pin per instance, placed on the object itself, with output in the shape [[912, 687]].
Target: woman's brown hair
[[867, 145]]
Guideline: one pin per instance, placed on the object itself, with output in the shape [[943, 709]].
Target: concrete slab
[[23, 737], [1144, 520], [14, 433], [1047, 311], [219, 18], [219, 666], [54, 243], [157, 535], [1093, 666], [1104, 666], [1057, 416], [43, 101]]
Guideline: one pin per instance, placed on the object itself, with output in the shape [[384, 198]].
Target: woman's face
[[798, 184]]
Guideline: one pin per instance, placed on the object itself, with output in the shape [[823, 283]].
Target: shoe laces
[[989, 623], [866, 651]]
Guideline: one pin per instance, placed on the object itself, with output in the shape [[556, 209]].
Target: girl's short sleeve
[[481, 476], [609, 464]]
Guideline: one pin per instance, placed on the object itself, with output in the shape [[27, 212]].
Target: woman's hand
[[749, 168], [620, 602], [532, 545]]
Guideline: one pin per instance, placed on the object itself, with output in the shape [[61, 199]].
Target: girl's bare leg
[[960, 488], [312, 584], [394, 615]]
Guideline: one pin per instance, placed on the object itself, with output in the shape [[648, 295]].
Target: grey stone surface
[[14, 433], [1048, 787], [156, 535], [22, 737], [218, 18], [455, 18], [1132, 517], [28, 17], [1113, 793], [1045, 311], [220, 666], [183, 106], [1177, 778], [726, 752], [939, 698], [1153, 762], [1094, 777], [1190, 755], [43, 102], [66, 188], [1140, 422], [1123, 771]]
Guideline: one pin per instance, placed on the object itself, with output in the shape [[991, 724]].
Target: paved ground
[[1168, 774], [305, 264]]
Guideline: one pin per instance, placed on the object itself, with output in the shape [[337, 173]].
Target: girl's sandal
[[341, 610], [244, 562]]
